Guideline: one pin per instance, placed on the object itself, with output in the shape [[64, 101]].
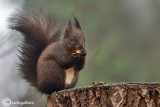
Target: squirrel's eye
[[71, 39]]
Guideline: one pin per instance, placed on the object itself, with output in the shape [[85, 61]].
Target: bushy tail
[[38, 30]]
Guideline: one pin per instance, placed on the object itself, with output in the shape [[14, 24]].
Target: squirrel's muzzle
[[80, 53]]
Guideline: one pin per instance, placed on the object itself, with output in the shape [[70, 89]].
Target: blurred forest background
[[122, 39]]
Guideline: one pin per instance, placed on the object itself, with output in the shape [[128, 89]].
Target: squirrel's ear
[[77, 24], [69, 23], [69, 28]]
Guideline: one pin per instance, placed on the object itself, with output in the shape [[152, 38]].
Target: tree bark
[[103, 95]]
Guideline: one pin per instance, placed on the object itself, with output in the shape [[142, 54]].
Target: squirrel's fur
[[47, 57]]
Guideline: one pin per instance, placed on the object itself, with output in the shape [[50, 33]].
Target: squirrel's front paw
[[76, 55], [79, 54]]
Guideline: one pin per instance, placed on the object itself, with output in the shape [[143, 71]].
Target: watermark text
[[7, 102]]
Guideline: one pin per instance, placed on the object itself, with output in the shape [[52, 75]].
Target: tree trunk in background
[[102, 95]]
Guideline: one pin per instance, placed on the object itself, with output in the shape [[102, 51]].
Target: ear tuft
[[68, 29], [69, 23], [77, 24]]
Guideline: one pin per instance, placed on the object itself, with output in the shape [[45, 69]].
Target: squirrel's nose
[[81, 47]]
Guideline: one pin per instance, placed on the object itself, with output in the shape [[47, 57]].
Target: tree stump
[[103, 95]]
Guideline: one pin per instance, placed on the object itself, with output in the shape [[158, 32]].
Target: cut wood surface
[[104, 95]]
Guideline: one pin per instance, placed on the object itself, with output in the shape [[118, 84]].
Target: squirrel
[[50, 59]]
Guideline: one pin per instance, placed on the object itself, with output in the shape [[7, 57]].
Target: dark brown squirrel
[[49, 61]]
